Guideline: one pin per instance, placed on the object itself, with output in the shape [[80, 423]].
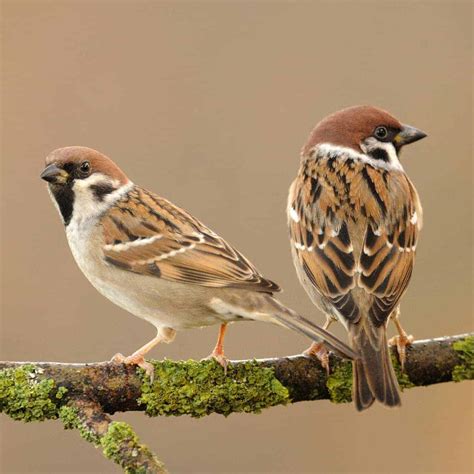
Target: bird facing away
[[354, 218], [157, 261]]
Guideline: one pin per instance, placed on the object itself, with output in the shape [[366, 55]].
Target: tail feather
[[294, 321], [374, 377], [362, 395]]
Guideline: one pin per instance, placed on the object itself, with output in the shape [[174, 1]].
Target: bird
[[354, 219], [157, 261]]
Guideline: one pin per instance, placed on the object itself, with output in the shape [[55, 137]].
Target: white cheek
[[95, 178], [87, 207], [328, 150], [393, 161]]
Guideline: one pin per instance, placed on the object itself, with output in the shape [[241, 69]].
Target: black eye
[[85, 167], [381, 133]]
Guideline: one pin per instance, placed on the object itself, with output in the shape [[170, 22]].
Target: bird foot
[[319, 350], [401, 342], [220, 358], [135, 359]]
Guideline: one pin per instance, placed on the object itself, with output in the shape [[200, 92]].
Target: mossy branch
[[117, 439], [81, 395]]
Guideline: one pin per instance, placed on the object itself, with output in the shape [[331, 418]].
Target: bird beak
[[54, 175], [408, 135]]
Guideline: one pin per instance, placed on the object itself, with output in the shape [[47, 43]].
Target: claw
[[135, 359], [220, 358], [319, 350], [401, 342], [118, 358], [218, 352]]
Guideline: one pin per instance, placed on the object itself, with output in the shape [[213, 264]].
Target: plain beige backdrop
[[208, 104]]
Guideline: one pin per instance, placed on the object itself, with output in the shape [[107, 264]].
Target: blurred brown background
[[208, 104]]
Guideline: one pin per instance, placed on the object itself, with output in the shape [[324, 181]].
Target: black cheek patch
[[101, 190], [379, 154]]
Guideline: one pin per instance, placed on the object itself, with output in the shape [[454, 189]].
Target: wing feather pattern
[[146, 234], [355, 229]]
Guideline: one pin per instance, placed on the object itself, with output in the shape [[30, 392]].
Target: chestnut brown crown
[[349, 127], [80, 162]]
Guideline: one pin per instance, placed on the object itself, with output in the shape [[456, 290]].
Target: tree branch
[[117, 439], [82, 394]]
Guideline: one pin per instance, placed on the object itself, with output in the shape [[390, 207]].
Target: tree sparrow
[[354, 218], [155, 260]]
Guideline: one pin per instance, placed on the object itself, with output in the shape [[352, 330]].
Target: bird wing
[[388, 254], [146, 234], [322, 244], [320, 229]]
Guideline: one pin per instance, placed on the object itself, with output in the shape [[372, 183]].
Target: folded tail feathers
[[374, 376]]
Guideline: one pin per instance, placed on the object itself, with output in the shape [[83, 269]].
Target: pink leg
[[218, 352], [402, 340], [138, 357], [319, 350]]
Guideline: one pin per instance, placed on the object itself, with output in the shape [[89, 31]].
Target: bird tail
[[374, 377], [292, 320]]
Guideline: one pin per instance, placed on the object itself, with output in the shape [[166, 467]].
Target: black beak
[[55, 175], [408, 135]]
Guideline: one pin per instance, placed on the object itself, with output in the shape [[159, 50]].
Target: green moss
[[403, 379], [465, 350], [121, 445], [24, 396], [339, 383], [200, 388], [69, 416]]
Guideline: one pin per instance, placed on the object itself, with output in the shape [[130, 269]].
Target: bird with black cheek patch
[[354, 218], [156, 261]]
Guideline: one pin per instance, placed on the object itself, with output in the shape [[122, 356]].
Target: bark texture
[[82, 395]]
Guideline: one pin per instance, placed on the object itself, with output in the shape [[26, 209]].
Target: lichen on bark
[[121, 445], [70, 418], [27, 397], [83, 395], [339, 382], [200, 388], [465, 351]]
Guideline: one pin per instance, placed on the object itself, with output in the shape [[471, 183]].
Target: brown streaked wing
[[147, 234], [388, 257], [322, 245]]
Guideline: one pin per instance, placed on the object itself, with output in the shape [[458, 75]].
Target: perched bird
[[155, 260], [354, 218]]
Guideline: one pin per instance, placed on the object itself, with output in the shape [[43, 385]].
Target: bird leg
[[319, 350], [138, 357], [402, 340], [218, 352]]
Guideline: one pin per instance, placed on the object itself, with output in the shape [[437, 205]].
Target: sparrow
[[354, 217], [156, 260]]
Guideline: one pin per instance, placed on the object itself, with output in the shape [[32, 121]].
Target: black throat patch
[[64, 196], [379, 154]]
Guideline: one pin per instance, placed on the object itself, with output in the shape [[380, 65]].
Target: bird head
[[364, 129], [81, 178]]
